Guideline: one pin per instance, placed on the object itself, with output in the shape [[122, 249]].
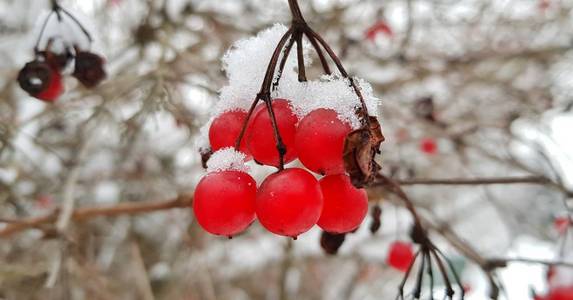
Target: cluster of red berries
[[42, 77], [291, 201]]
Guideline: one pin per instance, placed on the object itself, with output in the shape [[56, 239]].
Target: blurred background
[[469, 89]]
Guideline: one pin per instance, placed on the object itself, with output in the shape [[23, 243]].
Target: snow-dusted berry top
[[245, 65], [227, 159]]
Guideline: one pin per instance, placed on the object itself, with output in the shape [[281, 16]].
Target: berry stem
[[77, 22], [281, 148], [37, 45], [430, 274], [452, 269], [364, 110], [58, 10], [405, 279], [265, 95], [300, 57], [319, 52], [420, 279], [296, 12], [282, 64], [447, 282]]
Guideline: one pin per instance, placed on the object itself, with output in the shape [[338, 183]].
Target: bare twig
[[87, 213]]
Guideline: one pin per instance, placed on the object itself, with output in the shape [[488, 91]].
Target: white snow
[[227, 159], [331, 91], [245, 65]]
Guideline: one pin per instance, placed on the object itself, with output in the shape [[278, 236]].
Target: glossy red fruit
[[344, 206], [400, 256], [225, 130], [289, 202], [261, 140], [41, 81], [560, 293], [224, 202], [428, 146], [319, 141]]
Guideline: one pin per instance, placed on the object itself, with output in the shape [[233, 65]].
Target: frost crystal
[[227, 159]]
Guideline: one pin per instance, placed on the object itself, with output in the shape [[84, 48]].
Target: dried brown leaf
[[360, 149]]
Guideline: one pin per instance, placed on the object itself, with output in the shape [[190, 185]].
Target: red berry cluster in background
[[42, 77], [559, 292], [290, 201]]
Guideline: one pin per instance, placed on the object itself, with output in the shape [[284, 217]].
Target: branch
[[477, 181], [87, 213], [502, 262]]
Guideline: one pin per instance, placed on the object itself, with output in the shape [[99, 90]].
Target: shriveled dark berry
[[331, 242], [376, 222], [88, 68]]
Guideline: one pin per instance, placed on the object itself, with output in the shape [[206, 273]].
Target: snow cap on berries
[[245, 64], [227, 159], [333, 92]]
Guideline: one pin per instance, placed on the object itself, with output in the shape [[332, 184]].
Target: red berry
[[319, 141], [41, 81], [224, 202], [344, 205], [400, 256], [380, 27], [261, 138], [428, 146], [561, 293], [225, 130], [561, 224], [289, 202]]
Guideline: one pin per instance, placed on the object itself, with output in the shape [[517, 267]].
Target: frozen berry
[[400, 256], [261, 140], [41, 81], [224, 202], [88, 68], [319, 141], [289, 202], [344, 207], [225, 130]]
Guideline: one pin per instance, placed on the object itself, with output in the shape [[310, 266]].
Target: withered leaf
[[360, 149], [331, 242]]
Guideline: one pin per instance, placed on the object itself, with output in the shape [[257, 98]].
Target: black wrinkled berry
[[88, 68]]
